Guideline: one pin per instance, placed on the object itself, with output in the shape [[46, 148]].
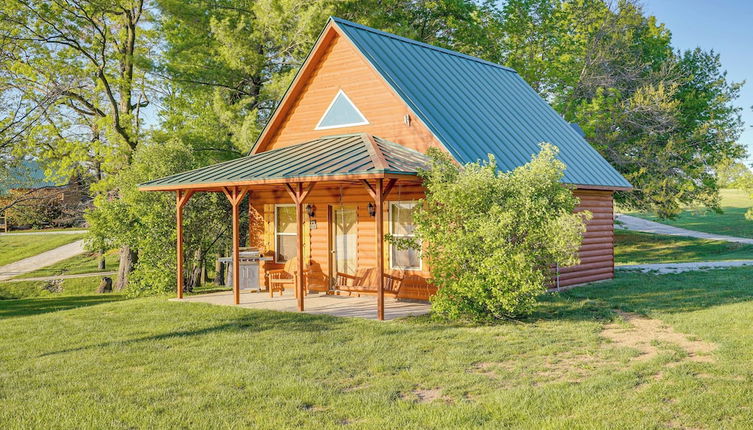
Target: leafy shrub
[[491, 238]]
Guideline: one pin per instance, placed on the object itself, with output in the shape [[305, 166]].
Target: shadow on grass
[[682, 292], [41, 305], [252, 321]]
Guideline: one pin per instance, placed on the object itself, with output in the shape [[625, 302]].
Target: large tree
[[73, 70], [663, 118]]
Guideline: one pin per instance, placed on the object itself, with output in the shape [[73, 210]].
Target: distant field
[[631, 247], [18, 247], [732, 222]]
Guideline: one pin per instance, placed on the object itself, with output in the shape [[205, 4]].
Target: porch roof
[[352, 156]]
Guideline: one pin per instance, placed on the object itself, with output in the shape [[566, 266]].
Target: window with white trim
[[341, 112], [402, 226], [285, 233]]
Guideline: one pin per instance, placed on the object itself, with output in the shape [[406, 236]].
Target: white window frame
[[391, 204], [326, 111], [280, 233]]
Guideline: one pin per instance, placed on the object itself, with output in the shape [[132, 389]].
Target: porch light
[[310, 210], [372, 209]]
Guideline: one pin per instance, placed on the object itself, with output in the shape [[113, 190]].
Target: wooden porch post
[[379, 194], [181, 198], [299, 196], [235, 195], [379, 219], [299, 245]]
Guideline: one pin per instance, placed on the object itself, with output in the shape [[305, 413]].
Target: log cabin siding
[[317, 241], [596, 252], [341, 66], [597, 249]]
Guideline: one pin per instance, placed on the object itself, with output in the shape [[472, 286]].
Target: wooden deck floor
[[339, 306]]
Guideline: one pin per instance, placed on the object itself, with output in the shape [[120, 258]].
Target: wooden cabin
[[335, 168]]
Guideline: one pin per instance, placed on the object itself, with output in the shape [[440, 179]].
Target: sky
[[726, 26]]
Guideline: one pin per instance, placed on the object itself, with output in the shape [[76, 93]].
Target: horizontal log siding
[[316, 241], [597, 250], [343, 67]]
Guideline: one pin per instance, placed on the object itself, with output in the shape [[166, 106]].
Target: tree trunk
[[128, 259], [105, 285], [195, 280], [101, 262], [219, 272]]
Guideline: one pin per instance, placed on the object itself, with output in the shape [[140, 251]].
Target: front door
[[344, 240]]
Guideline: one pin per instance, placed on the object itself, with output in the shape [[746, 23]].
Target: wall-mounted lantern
[[372, 209], [310, 210]]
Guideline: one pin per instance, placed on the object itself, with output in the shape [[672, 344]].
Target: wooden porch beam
[[387, 188], [369, 188], [379, 219], [181, 198], [299, 245], [235, 195]]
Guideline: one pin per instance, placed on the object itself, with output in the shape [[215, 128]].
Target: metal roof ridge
[[421, 44], [375, 153]]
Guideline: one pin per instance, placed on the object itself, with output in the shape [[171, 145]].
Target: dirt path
[[41, 260], [663, 268], [646, 226], [645, 334]]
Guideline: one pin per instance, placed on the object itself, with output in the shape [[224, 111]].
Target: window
[[341, 113], [401, 226], [285, 233]]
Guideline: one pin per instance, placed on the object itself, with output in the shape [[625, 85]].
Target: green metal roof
[[476, 108], [350, 155]]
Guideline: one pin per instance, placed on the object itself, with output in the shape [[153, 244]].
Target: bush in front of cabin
[[492, 238]]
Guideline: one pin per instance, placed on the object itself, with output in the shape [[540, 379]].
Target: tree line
[[123, 91]]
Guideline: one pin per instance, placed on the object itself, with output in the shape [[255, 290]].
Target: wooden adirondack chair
[[278, 279]]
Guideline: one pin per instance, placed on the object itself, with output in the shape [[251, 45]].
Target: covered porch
[[313, 178], [317, 304]]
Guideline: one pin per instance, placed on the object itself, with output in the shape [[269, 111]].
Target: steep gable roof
[[475, 107]]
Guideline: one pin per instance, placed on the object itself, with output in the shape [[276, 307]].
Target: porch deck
[[321, 304]]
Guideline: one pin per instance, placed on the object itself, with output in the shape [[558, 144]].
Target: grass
[[99, 361], [732, 222], [82, 263], [28, 289], [18, 247], [633, 247]]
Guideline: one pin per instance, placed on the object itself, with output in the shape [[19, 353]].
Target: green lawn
[[28, 289], [18, 247], [631, 247], [82, 263], [103, 362], [732, 222]]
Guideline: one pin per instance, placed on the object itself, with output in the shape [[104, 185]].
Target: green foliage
[[734, 174], [146, 221], [661, 117], [490, 239]]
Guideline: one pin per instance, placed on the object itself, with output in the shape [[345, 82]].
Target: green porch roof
[[354, 155]]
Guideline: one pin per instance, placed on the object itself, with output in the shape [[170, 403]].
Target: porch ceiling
[[344, 157]]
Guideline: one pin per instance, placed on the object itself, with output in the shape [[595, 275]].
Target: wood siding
[[597, 250], [316, 241], [596, 253], [341, 66]]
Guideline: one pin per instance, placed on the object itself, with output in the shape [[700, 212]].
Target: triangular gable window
[[341, 113]]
